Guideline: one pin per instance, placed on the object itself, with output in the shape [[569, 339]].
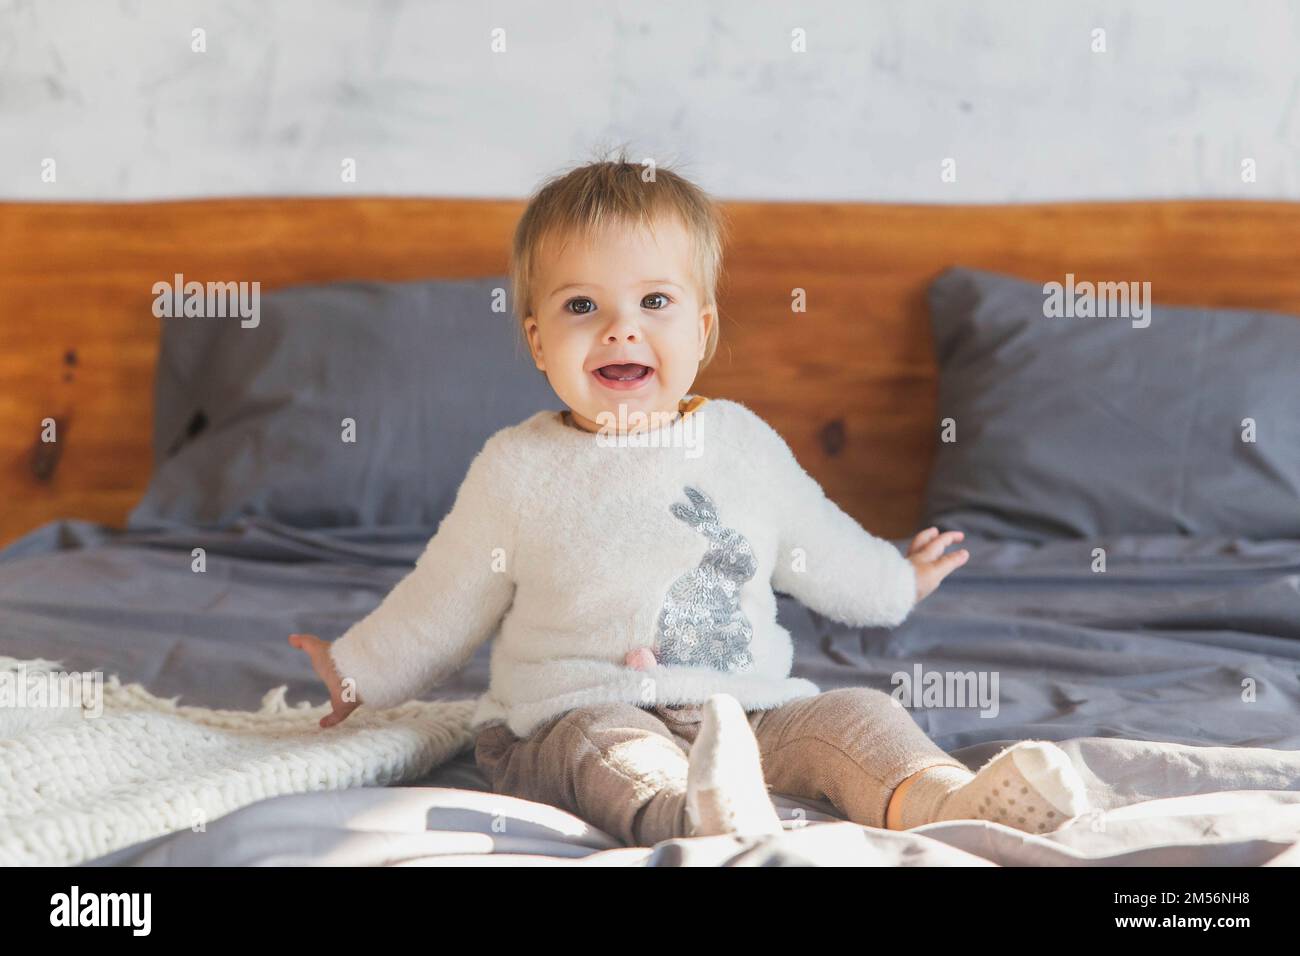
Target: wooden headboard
[[850, 382]]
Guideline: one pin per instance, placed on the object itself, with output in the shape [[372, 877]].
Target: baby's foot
[[1030, 786], [725, 790]]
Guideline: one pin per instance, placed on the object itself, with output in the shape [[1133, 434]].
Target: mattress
[[1170, 679]]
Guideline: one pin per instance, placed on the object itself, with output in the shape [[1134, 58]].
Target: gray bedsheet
[[1140, 672]]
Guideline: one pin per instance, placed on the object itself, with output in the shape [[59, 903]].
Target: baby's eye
[[572, 304], [654, 295]]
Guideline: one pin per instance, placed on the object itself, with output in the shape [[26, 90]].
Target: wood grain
[[850, 382]]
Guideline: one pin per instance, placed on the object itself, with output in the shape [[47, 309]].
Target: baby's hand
[[932, 565], [319, 652]]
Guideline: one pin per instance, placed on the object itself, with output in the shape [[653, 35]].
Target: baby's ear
[[707, 318], [532, 336]]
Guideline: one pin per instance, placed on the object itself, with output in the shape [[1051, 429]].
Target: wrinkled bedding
[[1170, 679]]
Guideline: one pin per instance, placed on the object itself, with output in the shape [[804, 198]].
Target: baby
[[625, 552]]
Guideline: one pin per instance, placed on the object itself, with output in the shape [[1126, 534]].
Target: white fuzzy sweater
[[635, 573]]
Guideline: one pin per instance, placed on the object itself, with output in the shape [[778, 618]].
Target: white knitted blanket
[[77, 783]]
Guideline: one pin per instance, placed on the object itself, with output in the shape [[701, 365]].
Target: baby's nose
[[623, 326]]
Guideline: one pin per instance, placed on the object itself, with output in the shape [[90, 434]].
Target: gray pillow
[[248, 420], [1079, 427]]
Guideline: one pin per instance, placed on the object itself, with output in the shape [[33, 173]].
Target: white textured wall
[[886, 90]]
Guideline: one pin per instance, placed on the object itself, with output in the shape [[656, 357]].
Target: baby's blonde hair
[[615, 192]]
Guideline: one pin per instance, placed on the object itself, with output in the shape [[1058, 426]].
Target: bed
[[1171, 681]]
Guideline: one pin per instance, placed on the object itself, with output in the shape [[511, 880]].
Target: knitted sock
[[725, 789], [1030, 786]]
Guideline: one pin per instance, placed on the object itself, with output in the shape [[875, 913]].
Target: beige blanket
[[88, 765]]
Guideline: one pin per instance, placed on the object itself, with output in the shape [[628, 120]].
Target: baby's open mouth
[[623, 373], [624, 376]]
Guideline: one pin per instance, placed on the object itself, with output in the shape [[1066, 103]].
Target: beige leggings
[[622, 767]]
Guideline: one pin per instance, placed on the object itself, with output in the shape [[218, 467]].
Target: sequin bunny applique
[[700, 623]]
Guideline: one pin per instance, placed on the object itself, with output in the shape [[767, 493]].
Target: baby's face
[[625, 302]]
